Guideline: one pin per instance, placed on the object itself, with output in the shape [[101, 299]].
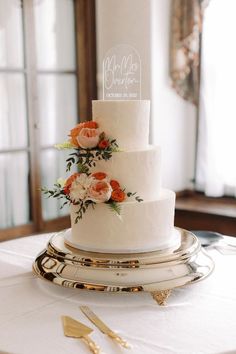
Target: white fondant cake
[[144, 226]]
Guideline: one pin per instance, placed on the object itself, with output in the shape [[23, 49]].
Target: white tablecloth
[[198, 318]]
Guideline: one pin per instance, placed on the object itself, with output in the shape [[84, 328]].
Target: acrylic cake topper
[[122, 74]]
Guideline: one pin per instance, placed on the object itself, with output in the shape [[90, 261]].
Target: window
[[216, 168], [47, 82]]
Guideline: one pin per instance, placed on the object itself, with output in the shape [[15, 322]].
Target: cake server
[[76, 329], [103, 327]]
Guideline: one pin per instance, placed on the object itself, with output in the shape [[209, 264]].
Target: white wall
[[173, 119], [145, 24]]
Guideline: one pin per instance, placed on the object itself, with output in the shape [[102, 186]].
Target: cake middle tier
[[136, 171]]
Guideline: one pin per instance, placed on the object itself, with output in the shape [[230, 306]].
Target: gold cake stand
[[157, 272]]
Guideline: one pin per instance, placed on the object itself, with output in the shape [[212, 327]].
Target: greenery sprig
[[114, 206], [137, 198], [83, 206], [56, 192], [87, 158]]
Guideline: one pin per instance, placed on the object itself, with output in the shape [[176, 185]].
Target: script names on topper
[[122, 74]]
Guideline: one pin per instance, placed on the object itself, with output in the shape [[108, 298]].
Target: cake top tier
[[125, 121]]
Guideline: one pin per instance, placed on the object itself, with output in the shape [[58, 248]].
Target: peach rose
[[99, 191], [88, 138], [118, 195], [99, 175], [85, 135]]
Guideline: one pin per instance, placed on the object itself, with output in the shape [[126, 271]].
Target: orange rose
[[77, 131], [118, 195], [114, 184], [74, 133], [90, 124], [103, 144], [99, 175], [69, 181]]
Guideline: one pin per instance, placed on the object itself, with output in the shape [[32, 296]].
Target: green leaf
[[138, 199], [116, 207], [102, 136], [66, 202]]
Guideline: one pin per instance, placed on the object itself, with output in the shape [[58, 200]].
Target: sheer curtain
[[186, 27], [216, 163]]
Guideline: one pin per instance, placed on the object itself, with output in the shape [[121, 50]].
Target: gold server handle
[[94, 348], [119, 340]]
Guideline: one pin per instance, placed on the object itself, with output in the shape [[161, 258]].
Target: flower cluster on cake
[[90, 145], [85, 189]]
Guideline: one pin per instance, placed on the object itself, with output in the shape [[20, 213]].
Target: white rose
[[79, 187]]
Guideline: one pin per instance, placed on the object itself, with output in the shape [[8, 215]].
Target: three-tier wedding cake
[[141, 226]]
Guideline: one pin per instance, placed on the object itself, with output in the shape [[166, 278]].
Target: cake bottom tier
[[141, 227]]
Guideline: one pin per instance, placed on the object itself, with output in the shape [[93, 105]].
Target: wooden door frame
[[85, 14]]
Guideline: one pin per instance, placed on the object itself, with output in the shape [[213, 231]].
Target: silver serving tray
[[156, 271]]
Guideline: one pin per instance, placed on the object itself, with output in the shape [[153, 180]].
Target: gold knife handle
[[119, 340], [94, 348]]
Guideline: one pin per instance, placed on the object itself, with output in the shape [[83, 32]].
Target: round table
[[198, 318]]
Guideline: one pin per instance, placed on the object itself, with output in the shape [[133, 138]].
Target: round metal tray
[[151, 271]]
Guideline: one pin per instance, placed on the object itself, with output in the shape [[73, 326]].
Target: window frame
[[85, 36]]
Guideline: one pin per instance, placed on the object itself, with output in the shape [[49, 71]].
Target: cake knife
[[76, 329], [103, 327]]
